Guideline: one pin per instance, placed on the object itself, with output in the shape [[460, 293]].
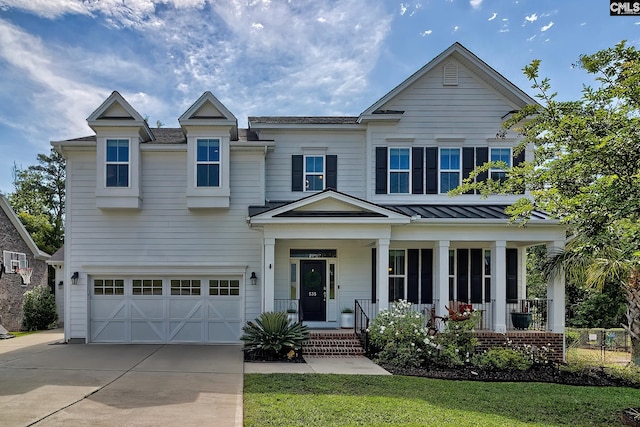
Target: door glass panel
[[332, 281]]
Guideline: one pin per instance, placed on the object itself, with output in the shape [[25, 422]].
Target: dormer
[[209, 127], [119, 131]]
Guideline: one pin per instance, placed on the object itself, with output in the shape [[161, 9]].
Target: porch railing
[[528, 314], [361, 322], [291, 306]]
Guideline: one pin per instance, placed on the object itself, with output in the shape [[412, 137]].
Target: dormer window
[[208, 163], [117, 165]]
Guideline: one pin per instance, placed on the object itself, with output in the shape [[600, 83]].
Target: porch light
[[253, 278], [60, 284], [74, 278]]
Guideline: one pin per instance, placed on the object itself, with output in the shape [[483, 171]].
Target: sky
[[60, 59]]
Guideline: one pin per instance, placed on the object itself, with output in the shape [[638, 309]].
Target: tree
[[586, 172], [39, 200]]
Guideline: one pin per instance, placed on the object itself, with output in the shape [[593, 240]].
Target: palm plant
[[608, 258], [272, 335]]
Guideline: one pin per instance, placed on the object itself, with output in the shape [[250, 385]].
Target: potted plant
[[346, 318], [521, 319], [292, 314]]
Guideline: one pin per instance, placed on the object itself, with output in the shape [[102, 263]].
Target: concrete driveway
[[46, 383]]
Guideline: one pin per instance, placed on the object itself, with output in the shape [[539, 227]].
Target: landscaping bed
[[545, 374]]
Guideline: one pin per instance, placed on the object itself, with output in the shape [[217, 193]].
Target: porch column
[[383, 274], [268, 275], [555, 291], [441, 272], [499, 285]]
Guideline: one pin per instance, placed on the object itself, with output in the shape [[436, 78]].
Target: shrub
[[39, 309], [273, 336], [502, 359], [457, 343], [572, 337], [400, 335]]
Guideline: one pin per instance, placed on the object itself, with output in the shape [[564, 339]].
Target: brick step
[[333, 343]]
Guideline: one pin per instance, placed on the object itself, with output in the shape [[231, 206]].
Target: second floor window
[[500, 155], [208, 163], [449, 169], [117, 163], [399, 170], [314, 173]]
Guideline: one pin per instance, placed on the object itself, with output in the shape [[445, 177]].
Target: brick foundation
[[551, 340]]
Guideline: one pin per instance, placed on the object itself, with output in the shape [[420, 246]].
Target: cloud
[[493, 16], [455, 28], [531, 18], [403, 8], [475, 3], [546, 27], [426, 33]]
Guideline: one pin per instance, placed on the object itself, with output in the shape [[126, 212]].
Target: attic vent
[[450, 75]]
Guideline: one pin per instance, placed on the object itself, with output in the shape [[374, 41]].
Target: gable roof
[[116, 111], [470, 61], [319, 207], [207, 111], [8, 210]]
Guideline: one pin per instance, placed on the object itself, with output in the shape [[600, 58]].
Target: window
[[396, 274], [500, 155], [108, 287], [147, 287], [399, 170], [185, 287], [449, 169], [13, 261], [208, 163], [314, 173], [117, 163], [224, 287]]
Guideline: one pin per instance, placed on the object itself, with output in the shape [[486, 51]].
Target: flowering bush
[[537, 355], [457, 343], [399, 334]]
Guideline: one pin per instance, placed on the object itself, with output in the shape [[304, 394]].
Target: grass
[[359, 400], [596, 357]]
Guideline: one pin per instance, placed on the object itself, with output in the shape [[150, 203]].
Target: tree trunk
[[632, 289]]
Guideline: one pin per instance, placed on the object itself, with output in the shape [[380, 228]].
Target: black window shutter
[[468, 163], [477, 266], [417, 170], [332, 171], [381, 170], [482, 157], [426, 276], [512, 275], [463, 275], [414, 271], [374, 274], [516, 161], [297, 179], [432, 170]]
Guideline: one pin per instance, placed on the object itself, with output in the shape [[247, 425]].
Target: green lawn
[[23, 333], [360, 400]]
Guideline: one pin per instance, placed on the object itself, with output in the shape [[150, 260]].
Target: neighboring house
[[57, 262], [181, 235], [18, 252]]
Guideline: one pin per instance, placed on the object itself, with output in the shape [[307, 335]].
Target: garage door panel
[[148, 331], [148, 309], [185, 308], [186, 331], [223, 332], [109, 308], [109, 331], [224, 309]]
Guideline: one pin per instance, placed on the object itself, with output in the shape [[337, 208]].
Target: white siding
[[164, 233], [349, 146], [471, 111]]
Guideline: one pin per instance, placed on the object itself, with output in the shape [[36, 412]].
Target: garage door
[[169, 310]]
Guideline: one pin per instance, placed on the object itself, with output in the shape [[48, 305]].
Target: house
[[19, 252], [181, 235]]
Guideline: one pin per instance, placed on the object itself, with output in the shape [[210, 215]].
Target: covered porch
[[331, 251]]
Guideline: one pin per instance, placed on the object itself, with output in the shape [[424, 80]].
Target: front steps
[[333, 343]]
